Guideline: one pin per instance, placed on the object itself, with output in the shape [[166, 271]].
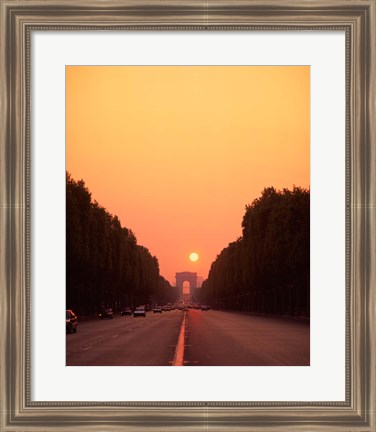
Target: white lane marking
[[114, 336], [179, 352], [87, 348]]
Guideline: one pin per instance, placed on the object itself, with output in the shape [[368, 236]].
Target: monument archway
[[186, 277]]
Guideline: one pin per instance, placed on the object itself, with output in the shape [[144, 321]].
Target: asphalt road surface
[[204, 338], [125, 341], [216, 338]]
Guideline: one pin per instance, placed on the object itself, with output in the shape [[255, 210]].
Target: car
[[126, 311], [157, 309], [106, 313], [139, 311], [70, 321], [167, 308], [204, 308]]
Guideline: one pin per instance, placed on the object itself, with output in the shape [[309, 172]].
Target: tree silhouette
[[267, 269], [104, 264]]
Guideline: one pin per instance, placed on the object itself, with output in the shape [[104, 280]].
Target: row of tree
[[104, 264], [267, 270]]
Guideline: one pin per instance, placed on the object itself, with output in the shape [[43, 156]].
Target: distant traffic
[[183, 304]]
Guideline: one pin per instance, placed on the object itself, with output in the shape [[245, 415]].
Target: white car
[[139, 311]]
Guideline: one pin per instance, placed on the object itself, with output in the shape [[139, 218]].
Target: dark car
[[70, 321], [126, 311], [106, 313], [205, 308]]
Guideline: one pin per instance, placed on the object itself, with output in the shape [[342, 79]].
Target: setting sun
[[193, 256]]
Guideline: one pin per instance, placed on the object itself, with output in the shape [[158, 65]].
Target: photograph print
[[187, 215]]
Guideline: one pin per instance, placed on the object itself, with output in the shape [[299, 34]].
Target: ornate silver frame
[[18, 19]]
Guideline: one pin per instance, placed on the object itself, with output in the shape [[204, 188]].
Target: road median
[[179, 351]]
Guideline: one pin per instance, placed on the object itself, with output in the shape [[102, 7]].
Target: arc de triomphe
[[186, 277]]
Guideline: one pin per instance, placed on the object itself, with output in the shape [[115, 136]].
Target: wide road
[[204, 338]]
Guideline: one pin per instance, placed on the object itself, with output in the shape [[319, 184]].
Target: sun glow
[[193, 256], [167, 125]]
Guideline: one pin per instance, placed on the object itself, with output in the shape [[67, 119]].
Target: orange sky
[[176, 152]]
